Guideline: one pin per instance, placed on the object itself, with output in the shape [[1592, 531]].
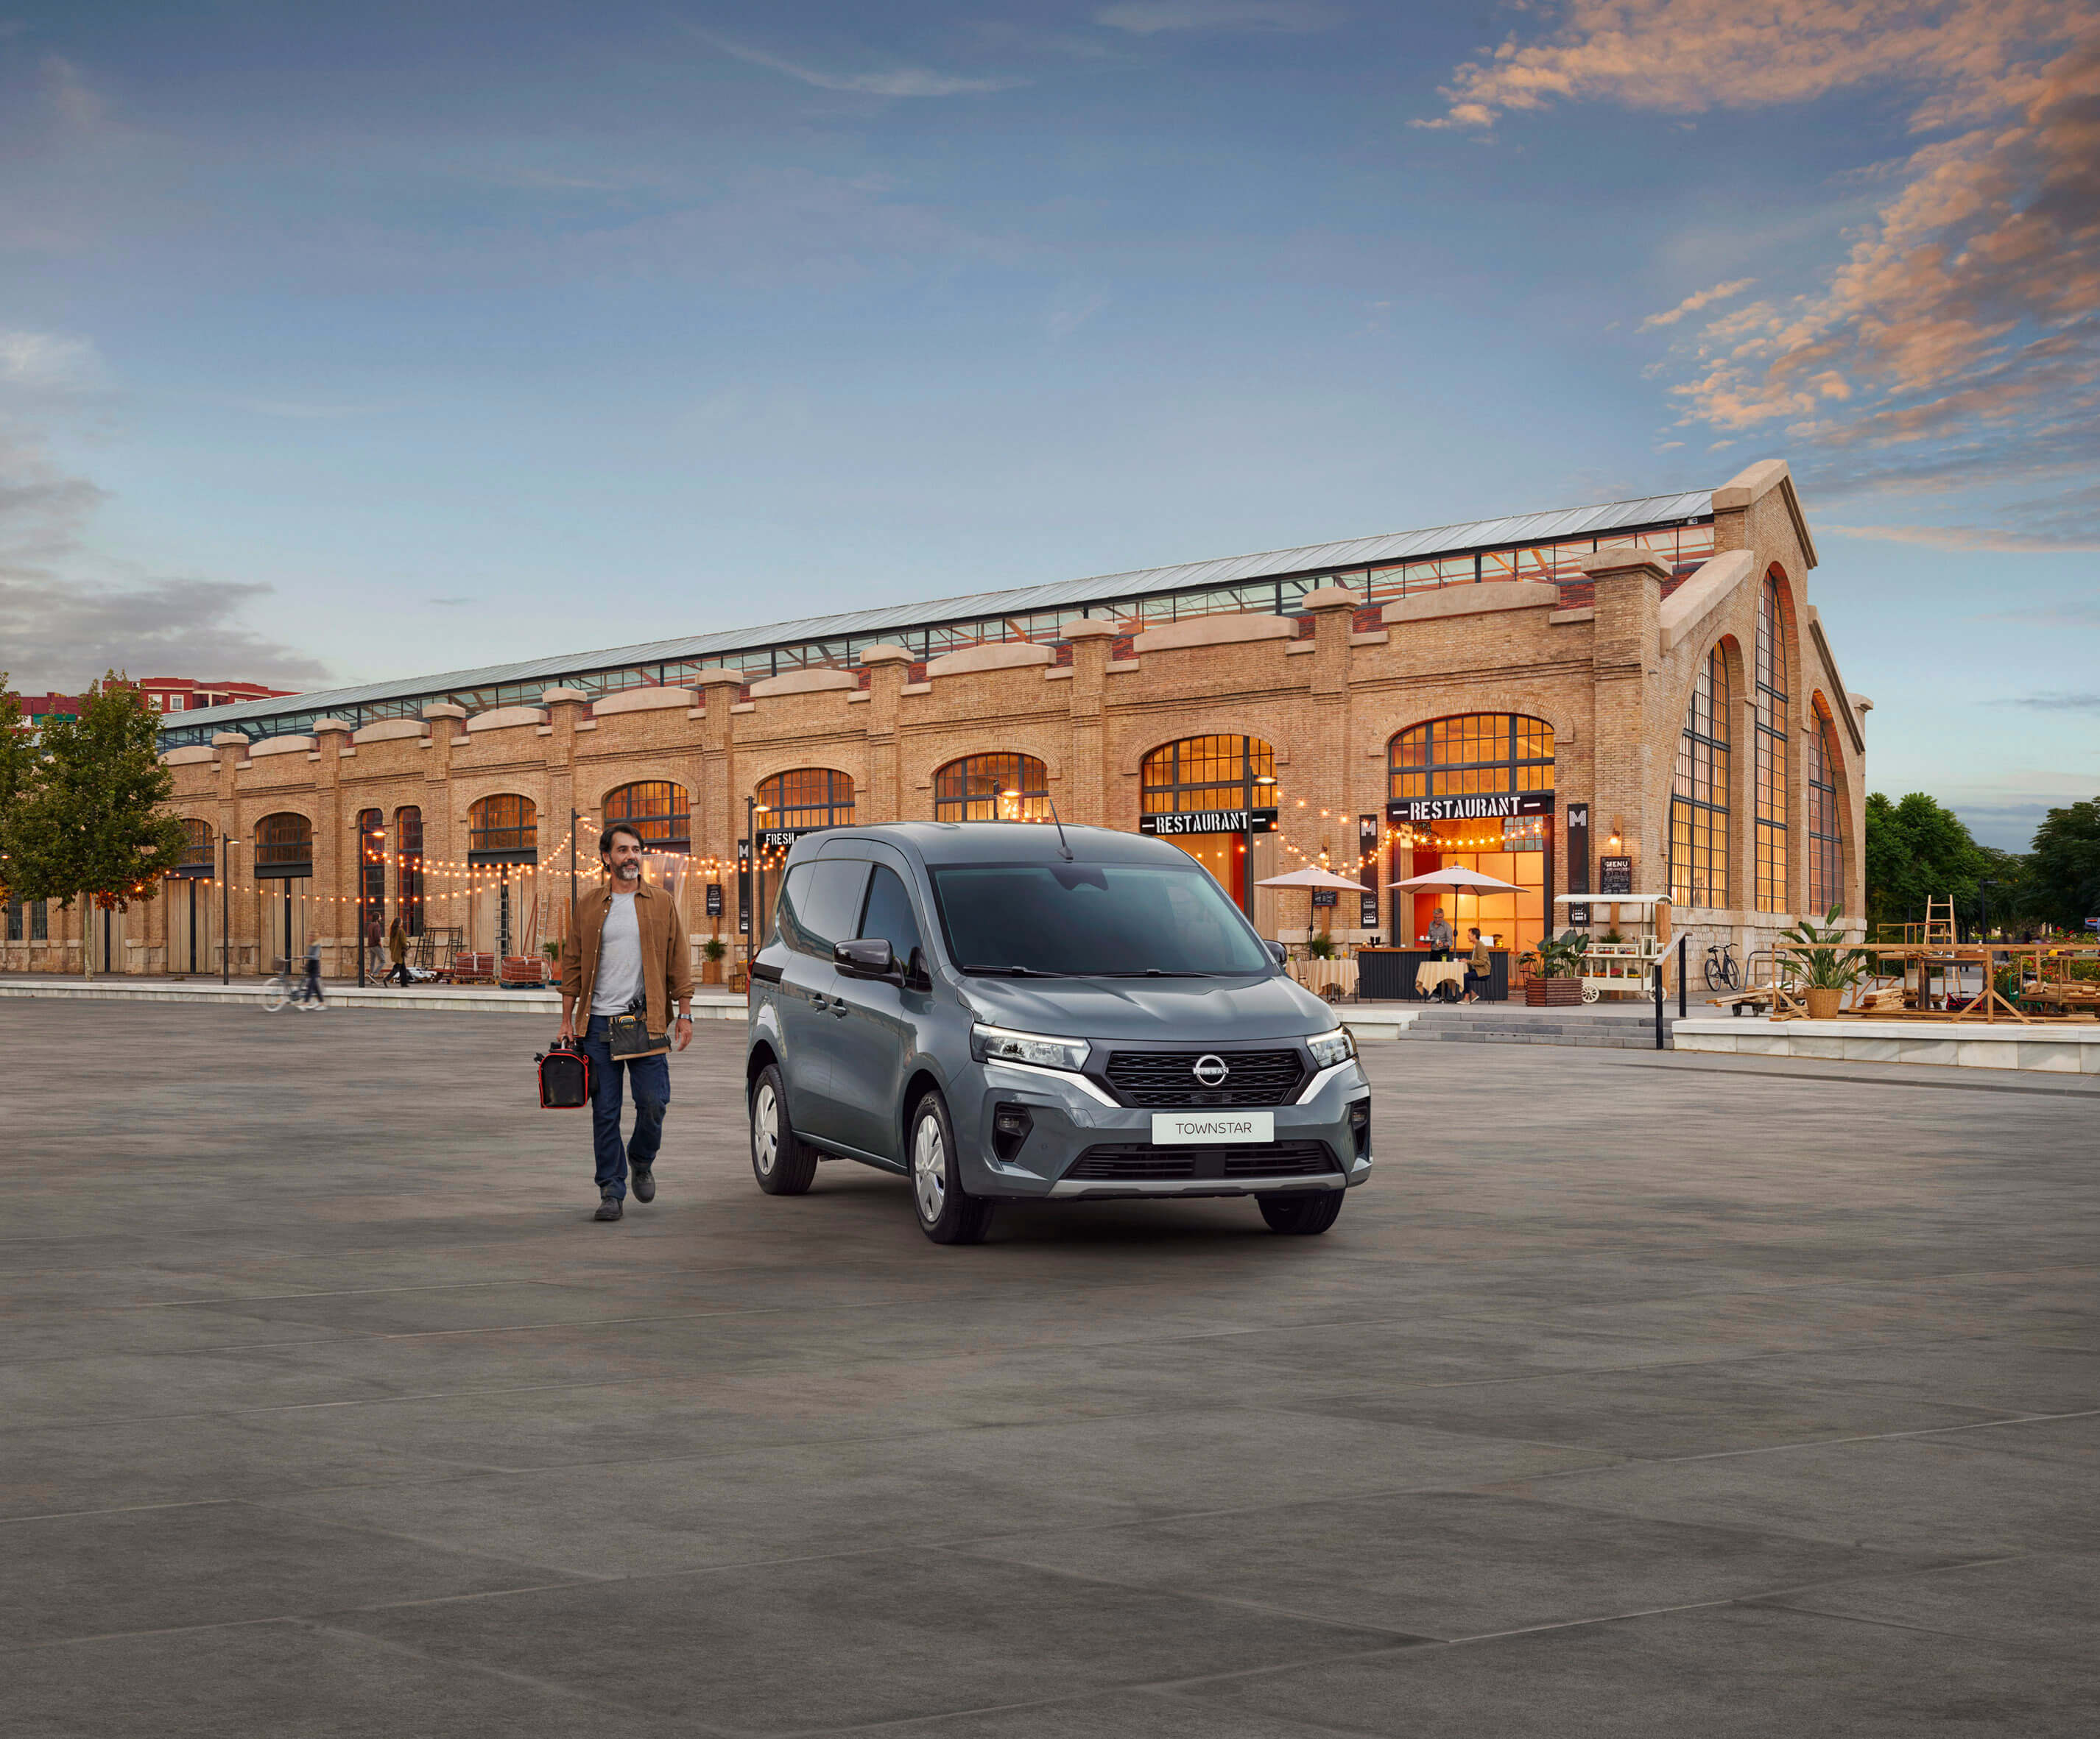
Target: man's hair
[[605, 839]]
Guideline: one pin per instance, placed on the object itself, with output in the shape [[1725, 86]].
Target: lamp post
[[752, 808]]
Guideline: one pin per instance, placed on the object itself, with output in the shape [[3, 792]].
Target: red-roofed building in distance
[[187, 695], [38, 710]]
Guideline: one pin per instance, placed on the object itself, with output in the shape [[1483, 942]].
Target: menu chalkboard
[[1615, 875]]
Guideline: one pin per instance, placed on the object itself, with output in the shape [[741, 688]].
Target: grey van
[[1015, 1012]]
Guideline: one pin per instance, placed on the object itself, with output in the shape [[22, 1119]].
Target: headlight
[[1329, 1048], [998, 1044]]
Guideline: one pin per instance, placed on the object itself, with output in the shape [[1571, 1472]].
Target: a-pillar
[[887, 667], [1633, 748], [1087, 794]]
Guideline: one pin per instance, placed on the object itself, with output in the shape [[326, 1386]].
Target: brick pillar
[[887, 666], [718, 810], [444, 831], [232, 749], [332, 918], [1087, 796], [1633, 758]]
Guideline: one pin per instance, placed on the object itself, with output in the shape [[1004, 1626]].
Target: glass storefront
[[1230, 778]]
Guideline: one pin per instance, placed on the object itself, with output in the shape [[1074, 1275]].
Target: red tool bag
[[565, 1078]]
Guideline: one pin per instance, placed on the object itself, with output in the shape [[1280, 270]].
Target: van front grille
[[1167, 1080], [1142, 1160]]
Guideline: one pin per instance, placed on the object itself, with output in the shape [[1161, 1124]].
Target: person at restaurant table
[[1478, 966], [1441, 935]]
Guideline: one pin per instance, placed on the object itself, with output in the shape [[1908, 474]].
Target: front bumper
[[1069, 1116]]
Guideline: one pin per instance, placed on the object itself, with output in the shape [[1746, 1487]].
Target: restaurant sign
[[1209, 821], [1486, 807]]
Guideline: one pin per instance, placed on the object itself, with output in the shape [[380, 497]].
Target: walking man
[[629, 952]]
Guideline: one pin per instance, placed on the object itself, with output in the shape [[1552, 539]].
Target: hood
[[1204, 1011]]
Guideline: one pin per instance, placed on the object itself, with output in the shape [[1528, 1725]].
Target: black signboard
[[1367, 854], [714, 899], [1209, 821], [743, 887], [1324, 896], [1578, 859], [1615, 875], [1418, 810], [777, 839]]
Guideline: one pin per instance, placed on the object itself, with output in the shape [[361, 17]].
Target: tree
[[90, 823], [2064, 866], [1917, 849], [18, 756]]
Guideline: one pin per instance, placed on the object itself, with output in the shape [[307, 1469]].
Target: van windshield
[[1094, 920]]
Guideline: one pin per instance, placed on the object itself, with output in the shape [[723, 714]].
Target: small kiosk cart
[[1625, 967]]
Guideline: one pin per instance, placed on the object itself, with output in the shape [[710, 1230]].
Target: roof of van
[[952, 842]]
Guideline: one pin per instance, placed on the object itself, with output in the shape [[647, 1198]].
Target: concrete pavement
[[1634, 1395]]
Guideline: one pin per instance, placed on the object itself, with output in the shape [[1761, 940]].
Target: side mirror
[[1278, 952], [869, 957]]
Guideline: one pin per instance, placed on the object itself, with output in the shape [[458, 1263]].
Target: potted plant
[[1822, 969], [1557, 971], [1320, 947], [712, 951]]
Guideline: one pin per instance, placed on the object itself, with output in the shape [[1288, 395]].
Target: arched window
[[808, 797], [372, 866], [1214, 773], [284, 846], [1481, 753], [198, 844], [503, 829], [1772, 770], [1699, 800], [409, 846], [1826, 846], [992, 787], [660, 811]]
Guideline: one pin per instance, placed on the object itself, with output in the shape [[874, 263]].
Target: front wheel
[[275, 994], [784, 1163], [1730, 974], [947, 1213], [1302, 1215]]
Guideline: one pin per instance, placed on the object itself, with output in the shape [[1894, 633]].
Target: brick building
[[1640, 690]]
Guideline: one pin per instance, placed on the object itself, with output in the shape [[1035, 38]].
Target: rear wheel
[[1304, 1214], [947, 1214], [784, 1163], [274, 994]]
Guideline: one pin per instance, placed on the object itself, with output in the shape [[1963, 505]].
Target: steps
[[1630, 1028]]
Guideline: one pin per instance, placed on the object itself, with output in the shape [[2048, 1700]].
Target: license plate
[[1188, 1128]]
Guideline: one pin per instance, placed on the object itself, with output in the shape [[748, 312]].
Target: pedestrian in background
[[397, 951], [628, 954]]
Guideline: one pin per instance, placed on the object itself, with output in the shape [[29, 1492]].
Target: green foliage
[[1320, 948], [18, 757], [1918, 849], [1558, 956], [89, 822], [1823, 966], [2063, 869], [712, 948]]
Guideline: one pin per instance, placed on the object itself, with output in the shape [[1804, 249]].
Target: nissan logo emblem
[[1210, 1069]]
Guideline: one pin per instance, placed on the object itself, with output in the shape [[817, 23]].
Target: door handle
[[839, 1007]]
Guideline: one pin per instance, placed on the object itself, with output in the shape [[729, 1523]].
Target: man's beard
[[627, 872]]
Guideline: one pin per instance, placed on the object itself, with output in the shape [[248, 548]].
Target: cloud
[[898, 81], [2081, 615], [451, 603], [2053, 703], [62, 628], [1153, 17], [1995, 540], [49, 362], [1959, 335], [1693, 303]]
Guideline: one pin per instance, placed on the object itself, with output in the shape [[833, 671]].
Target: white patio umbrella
[[1459, 881], [1310, 877]]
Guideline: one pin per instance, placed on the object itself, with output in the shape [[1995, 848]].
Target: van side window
[[828, 900], [889, 916]]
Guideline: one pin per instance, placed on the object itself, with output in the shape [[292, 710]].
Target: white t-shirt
[[619, 980]]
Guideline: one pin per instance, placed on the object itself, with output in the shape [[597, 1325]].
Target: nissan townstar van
[[1007, 1012]]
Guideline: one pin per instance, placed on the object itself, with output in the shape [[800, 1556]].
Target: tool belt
[[628, 1035]]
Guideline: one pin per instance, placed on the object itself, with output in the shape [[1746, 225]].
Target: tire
[[784, 1163], [1729, 971], [1716, 974], [947, 1213], [1591, 993], [274, 995], [1302, 1215]]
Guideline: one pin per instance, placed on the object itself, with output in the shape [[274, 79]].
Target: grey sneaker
[[642, 1180], [608, 1209]]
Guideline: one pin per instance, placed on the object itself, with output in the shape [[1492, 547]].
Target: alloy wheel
[[930, 1170], [765, 1127]]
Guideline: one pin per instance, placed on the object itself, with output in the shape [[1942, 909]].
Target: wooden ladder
[[1939, 920]]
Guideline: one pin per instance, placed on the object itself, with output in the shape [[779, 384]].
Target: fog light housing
[[1360, 1126], [1010, 1125]]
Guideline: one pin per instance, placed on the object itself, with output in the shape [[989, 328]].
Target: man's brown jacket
[[667, 966]]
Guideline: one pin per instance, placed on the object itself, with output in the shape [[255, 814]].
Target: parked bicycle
[[1721, 971], [293, 986]]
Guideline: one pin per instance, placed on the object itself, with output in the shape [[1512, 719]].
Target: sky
[[345, 342]]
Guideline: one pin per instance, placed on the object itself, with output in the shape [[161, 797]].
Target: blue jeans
[[652, 1097]]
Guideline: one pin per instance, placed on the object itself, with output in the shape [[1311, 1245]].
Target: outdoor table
[[1433, 975]]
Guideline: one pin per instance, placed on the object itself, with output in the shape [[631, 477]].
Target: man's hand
[[684, 1024]]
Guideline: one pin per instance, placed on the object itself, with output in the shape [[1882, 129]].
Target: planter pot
[[1552, 993], [1822, 1004], [711, 972]]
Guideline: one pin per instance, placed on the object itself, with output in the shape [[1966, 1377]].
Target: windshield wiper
[[1156, 972], [1017, 972]]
